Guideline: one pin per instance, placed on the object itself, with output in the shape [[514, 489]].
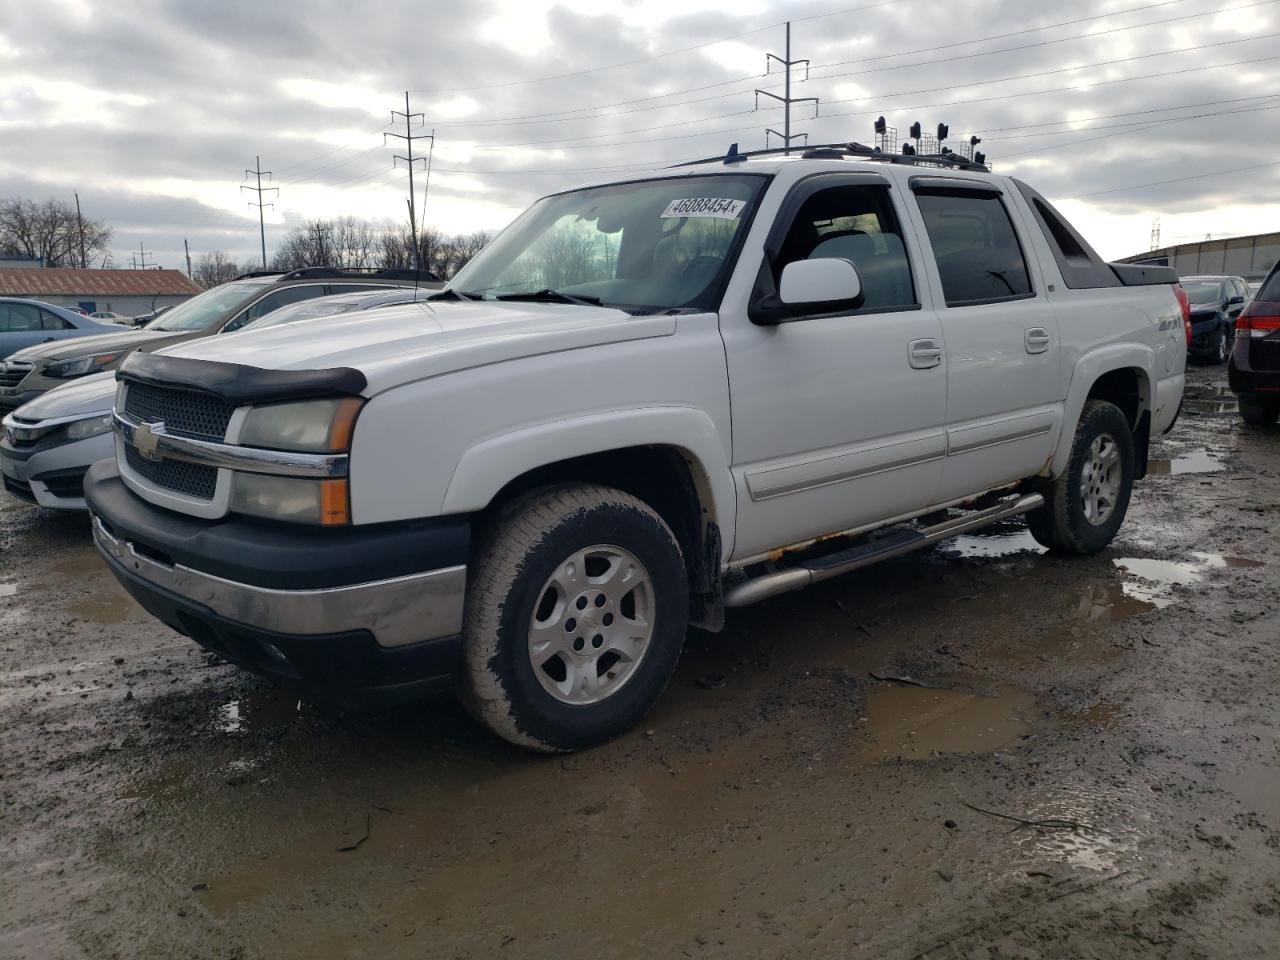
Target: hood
[[393, 345], [98, 343], [88, 395]]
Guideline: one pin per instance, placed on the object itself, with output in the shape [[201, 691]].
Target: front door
[[838, 421]]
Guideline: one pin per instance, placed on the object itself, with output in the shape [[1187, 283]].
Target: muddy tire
[[1261, 411], [577, 608], [1220, 348], [1085, 507]]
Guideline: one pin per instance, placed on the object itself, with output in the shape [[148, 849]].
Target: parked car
[[1253, 372], [221, 309], [48, 444], [1215, 304], [751, 375], [24, 323], [106, 316], [142, 319]]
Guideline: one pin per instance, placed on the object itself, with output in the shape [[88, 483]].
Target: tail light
[[1184, 302], [1259, 319]]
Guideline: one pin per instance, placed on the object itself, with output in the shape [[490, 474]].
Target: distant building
[[1248, 257], [127, 292], [20, 261]]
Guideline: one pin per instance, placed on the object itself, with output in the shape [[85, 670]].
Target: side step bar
[[896, 542]]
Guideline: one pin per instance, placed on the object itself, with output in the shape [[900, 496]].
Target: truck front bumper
[[363, 616]]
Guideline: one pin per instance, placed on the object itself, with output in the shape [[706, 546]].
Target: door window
[[974, 244], [275, 300], [855, 223], [19, 317]]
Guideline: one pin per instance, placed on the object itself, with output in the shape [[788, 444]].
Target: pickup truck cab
[[644, 402]]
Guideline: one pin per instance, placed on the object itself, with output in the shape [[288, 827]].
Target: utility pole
[[408, 137], [187, 250], [84, 262], [1155, 234], [787, 100], [318, 238], [259, 189], [140, 261]]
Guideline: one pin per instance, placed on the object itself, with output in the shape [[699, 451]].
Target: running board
[[894, 543]]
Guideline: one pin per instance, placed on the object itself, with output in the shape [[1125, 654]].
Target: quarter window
[[855, 223], [49, 321], [975, 246]]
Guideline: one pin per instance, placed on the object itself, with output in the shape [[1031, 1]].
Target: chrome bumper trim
[[404, 610], [280, 463]]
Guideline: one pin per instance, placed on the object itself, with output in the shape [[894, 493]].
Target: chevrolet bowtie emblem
[[146, 439]]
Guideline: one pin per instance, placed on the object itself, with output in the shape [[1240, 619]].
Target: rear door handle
[[1037, 340], [924, 354]]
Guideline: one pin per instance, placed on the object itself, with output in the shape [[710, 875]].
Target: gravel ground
[[1090, 767]]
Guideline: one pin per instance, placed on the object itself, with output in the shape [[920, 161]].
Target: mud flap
[[1141, 444]]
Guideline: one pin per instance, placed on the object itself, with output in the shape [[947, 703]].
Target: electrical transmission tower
[[258, 172], [787, 100], [140, 261], [408, 137], [1155, 234]]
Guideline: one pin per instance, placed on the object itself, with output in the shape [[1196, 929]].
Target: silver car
[[50, 442]]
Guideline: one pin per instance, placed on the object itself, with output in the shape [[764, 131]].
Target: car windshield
[[644, 246], [1204, 291], [206, 308]]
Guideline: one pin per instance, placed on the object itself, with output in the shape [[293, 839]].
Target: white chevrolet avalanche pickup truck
[[646, 401]]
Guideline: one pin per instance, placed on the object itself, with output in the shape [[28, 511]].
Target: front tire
[[576, 615], [1261, 411], [1085, 507], [1221, 346]]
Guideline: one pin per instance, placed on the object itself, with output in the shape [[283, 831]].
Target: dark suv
[[1215, 304], [26, 374], [1254, 369]]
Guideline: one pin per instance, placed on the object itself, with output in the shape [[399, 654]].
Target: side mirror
[[1233, 301], [808, 287]]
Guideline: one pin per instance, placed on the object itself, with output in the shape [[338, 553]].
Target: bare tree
[[50, 231], [216, 267], [353, 243]]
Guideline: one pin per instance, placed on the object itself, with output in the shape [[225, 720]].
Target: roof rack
[[839, 151], [362, 273]]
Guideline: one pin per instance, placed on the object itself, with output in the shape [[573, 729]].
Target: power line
[[1161, 183], [259, 190], [408, 137], [786, 100]]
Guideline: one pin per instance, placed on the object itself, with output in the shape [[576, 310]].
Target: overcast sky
[[153, 110]]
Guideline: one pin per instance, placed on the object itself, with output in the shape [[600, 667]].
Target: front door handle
[[924, 354], [1037, 340]]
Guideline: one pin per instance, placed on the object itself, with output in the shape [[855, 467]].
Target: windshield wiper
[[452, 294], [551, 296]]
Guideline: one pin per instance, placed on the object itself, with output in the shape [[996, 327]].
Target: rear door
[[20, 327], [1004, 402], [838, 420], [55, 327]]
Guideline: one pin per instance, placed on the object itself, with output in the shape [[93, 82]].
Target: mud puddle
[[993, 545], [916, 723], [1210, 399], [1157, 582], [1197, 461], [261, 710]]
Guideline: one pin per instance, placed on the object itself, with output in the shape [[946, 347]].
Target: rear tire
[[1086, 505], [1261, 411], [577, 609]]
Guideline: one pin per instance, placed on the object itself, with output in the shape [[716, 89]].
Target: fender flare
[[1091, 366], [489, 465]]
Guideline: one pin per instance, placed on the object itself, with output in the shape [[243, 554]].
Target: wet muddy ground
[[1062, 758]]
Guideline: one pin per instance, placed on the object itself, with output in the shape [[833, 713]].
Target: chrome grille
[[189, 479], [183, 412], [13, 372]]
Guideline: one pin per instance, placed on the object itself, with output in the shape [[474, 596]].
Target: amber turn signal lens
[[335, 504], [344, 423]]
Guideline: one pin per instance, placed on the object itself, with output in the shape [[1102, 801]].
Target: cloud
[[531, 97]]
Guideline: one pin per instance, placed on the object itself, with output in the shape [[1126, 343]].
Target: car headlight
[[89, 427], [308, 426], [81, 366], [292, 499]]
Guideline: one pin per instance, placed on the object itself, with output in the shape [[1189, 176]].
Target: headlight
[[90, 427], [80, 366], [290, 498], [309, 426]]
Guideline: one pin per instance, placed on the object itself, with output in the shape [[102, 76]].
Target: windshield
[[645, 246], [1204, 291], [206, 308]]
